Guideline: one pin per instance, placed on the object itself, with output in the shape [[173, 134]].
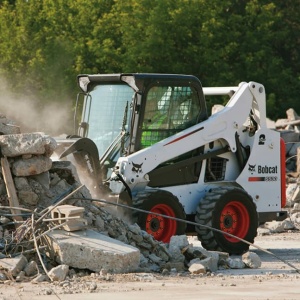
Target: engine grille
[[215, 169]]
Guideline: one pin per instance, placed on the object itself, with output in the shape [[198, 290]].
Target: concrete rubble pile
[[289, 129], [50, 228]]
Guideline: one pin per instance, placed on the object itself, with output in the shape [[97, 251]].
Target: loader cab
[[124, 113], [169, 105]]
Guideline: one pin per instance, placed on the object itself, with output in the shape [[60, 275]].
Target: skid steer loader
[[148, 138]]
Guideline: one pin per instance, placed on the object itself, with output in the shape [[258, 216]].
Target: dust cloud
[[32, 115], [112, 203], [54, 119]]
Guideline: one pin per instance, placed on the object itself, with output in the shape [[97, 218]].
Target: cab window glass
[[169, 109]]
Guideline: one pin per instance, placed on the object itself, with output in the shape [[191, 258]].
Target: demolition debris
[[48, 231]]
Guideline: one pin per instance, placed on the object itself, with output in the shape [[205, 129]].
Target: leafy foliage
[[46, 43]]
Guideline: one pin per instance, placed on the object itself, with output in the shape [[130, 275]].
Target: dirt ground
[[275, 279]]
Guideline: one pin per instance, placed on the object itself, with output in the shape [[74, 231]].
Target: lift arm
[[221, 125]]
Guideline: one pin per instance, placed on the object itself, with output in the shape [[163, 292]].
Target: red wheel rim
[[235, 220], [162, 229]]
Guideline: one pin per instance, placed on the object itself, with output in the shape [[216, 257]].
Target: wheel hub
[[234, 219], [228, 221], [161, 228], [154, 224]]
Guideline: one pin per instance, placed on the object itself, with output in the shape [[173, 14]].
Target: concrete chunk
[[9, 129], [94, 251], [197, 268], [15, 265], [8, 126], [235, 263], [251, 260], [211, 262], [275, 226], [59, 273], [177, 243], [13, 145], [32, 166], [31, 268]]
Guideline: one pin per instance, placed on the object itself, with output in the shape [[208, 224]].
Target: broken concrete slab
[[13, 145], [32, 166], [94, 251]]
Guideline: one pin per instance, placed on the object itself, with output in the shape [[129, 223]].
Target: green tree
[[46, 43]]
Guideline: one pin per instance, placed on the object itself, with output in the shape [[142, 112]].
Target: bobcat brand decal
[[266, 170], [137, 168], [263, 170], [251, 168]]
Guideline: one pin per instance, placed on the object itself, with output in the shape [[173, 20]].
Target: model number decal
[[268, 178]]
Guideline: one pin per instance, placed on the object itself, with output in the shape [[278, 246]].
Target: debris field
[[52, 230]]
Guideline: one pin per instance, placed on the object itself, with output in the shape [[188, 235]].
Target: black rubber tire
[[160, 202], [231, 210]]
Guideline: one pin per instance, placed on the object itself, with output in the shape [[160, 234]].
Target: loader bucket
[[88, 151]]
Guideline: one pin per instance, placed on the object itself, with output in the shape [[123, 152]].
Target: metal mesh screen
[[168, 110]]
